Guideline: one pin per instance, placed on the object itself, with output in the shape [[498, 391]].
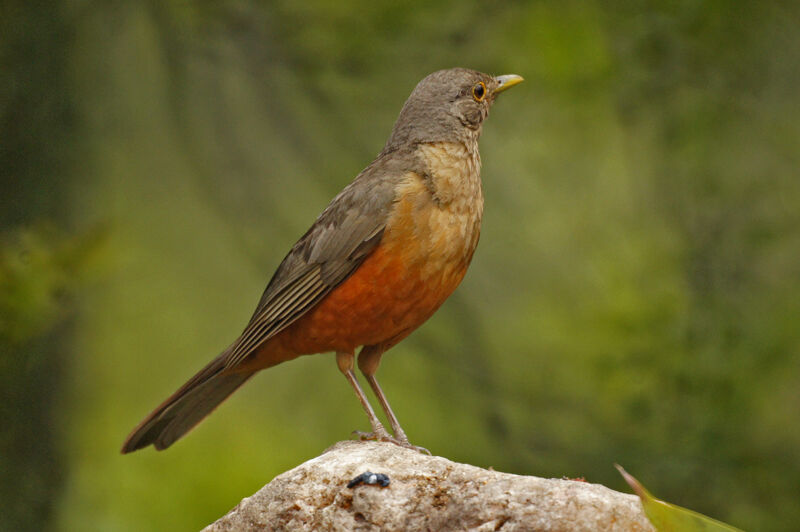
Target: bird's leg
[[345, 363], [398, 431], [368, 361]]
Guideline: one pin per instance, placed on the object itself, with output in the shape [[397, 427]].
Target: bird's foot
[[384, 436], [409, 445], [372, 436]]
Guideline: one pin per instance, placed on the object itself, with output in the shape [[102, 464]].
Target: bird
[[379, 260]]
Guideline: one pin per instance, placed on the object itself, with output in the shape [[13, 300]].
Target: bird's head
[[448, 105]]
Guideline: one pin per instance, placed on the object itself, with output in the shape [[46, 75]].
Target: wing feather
[[346, 232]]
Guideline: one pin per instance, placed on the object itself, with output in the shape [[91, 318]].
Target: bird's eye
[[479, 91]]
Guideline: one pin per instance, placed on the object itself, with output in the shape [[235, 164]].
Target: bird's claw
[[365, 436], [384, 436]]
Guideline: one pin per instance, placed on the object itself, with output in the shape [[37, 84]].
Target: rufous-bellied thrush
[[377, 263]]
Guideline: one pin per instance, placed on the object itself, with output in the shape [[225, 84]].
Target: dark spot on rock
[[369, 478]]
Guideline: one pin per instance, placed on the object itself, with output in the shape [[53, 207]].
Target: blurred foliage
[[634, 297], [41, 259], [40, 272], [39, 269]]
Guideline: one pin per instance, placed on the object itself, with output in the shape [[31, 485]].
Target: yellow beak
[[506, 81]]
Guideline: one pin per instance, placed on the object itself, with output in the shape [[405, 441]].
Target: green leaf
[[667, 517]]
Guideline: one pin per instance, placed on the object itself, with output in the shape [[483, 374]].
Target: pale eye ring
[[479, 91]]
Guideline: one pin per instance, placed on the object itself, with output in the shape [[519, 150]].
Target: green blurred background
[[635, 297]]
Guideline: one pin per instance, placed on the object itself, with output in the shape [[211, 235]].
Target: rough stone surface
[[425, 493]]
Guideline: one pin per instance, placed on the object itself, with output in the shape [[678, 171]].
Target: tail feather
[[186, 408]]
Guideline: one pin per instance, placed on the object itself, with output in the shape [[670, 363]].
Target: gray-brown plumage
[[378, 261]]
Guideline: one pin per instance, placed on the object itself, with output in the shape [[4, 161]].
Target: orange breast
[[420, 261], [423, 255], [387, 296]]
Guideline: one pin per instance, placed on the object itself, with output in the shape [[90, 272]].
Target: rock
[[425, 493]]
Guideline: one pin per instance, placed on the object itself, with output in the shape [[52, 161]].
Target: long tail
[[187, 407]]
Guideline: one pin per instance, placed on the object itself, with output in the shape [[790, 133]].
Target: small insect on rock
[[368, 477]]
